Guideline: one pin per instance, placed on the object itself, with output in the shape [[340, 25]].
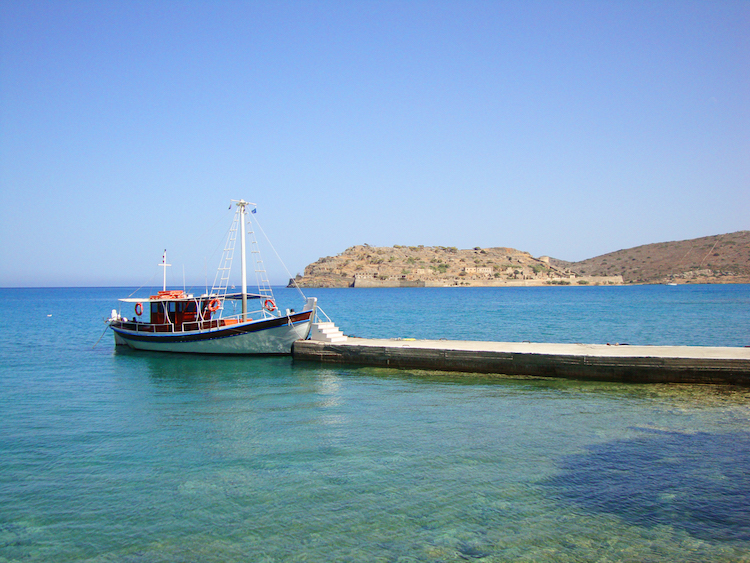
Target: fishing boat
[[178, 321]]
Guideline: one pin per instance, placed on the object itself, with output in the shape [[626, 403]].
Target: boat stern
[[311, 304]]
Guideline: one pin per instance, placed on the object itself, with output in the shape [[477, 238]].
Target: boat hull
[[268, 336]]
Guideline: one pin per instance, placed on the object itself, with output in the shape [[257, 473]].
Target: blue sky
[[569, 129]]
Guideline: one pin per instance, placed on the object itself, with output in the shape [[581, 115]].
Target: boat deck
[[645, 364]]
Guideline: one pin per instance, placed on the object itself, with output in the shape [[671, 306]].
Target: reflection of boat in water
[[181, 322]]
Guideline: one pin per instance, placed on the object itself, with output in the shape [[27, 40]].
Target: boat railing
[[320, 313], [172, 327], [228, 320], [209, 324], [199, 324], [148, 327]]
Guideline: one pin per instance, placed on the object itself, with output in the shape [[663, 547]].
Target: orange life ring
[[214, 305], [269, 305], [139, 309]]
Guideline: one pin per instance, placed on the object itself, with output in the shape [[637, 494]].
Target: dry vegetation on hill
[[366, 265], [715, 259]]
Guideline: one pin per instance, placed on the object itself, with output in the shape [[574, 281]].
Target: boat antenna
[[164, 265]]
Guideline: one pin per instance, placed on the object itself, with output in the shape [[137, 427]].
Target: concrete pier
[[641, 364]]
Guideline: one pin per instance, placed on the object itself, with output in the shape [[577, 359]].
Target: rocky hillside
[[715, 259], [432, 266]]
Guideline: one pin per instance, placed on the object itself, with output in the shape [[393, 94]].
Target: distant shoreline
[[529, 283]]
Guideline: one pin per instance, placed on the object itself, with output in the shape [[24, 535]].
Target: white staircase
[[326, 332]]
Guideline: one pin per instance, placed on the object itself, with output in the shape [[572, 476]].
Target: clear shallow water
[[136, 457]]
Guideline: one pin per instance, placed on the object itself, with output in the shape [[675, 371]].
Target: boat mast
[[241, 204]]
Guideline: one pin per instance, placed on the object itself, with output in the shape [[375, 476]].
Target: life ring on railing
[[139, 309], [269, 305], [214, 305]]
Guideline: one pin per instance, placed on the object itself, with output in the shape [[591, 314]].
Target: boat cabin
[[177, 311]]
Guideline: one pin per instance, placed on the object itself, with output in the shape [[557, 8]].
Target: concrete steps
[[326, 332]]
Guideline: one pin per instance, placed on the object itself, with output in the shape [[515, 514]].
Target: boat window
[[157, 307], [172, 306], [184, 306]]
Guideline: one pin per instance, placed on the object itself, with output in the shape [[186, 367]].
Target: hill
[[436, 266], [714, 259]]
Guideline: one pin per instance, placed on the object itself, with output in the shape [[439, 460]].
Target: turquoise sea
[[116, 456]]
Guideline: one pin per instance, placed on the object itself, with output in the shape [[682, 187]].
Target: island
[[713, 259]]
